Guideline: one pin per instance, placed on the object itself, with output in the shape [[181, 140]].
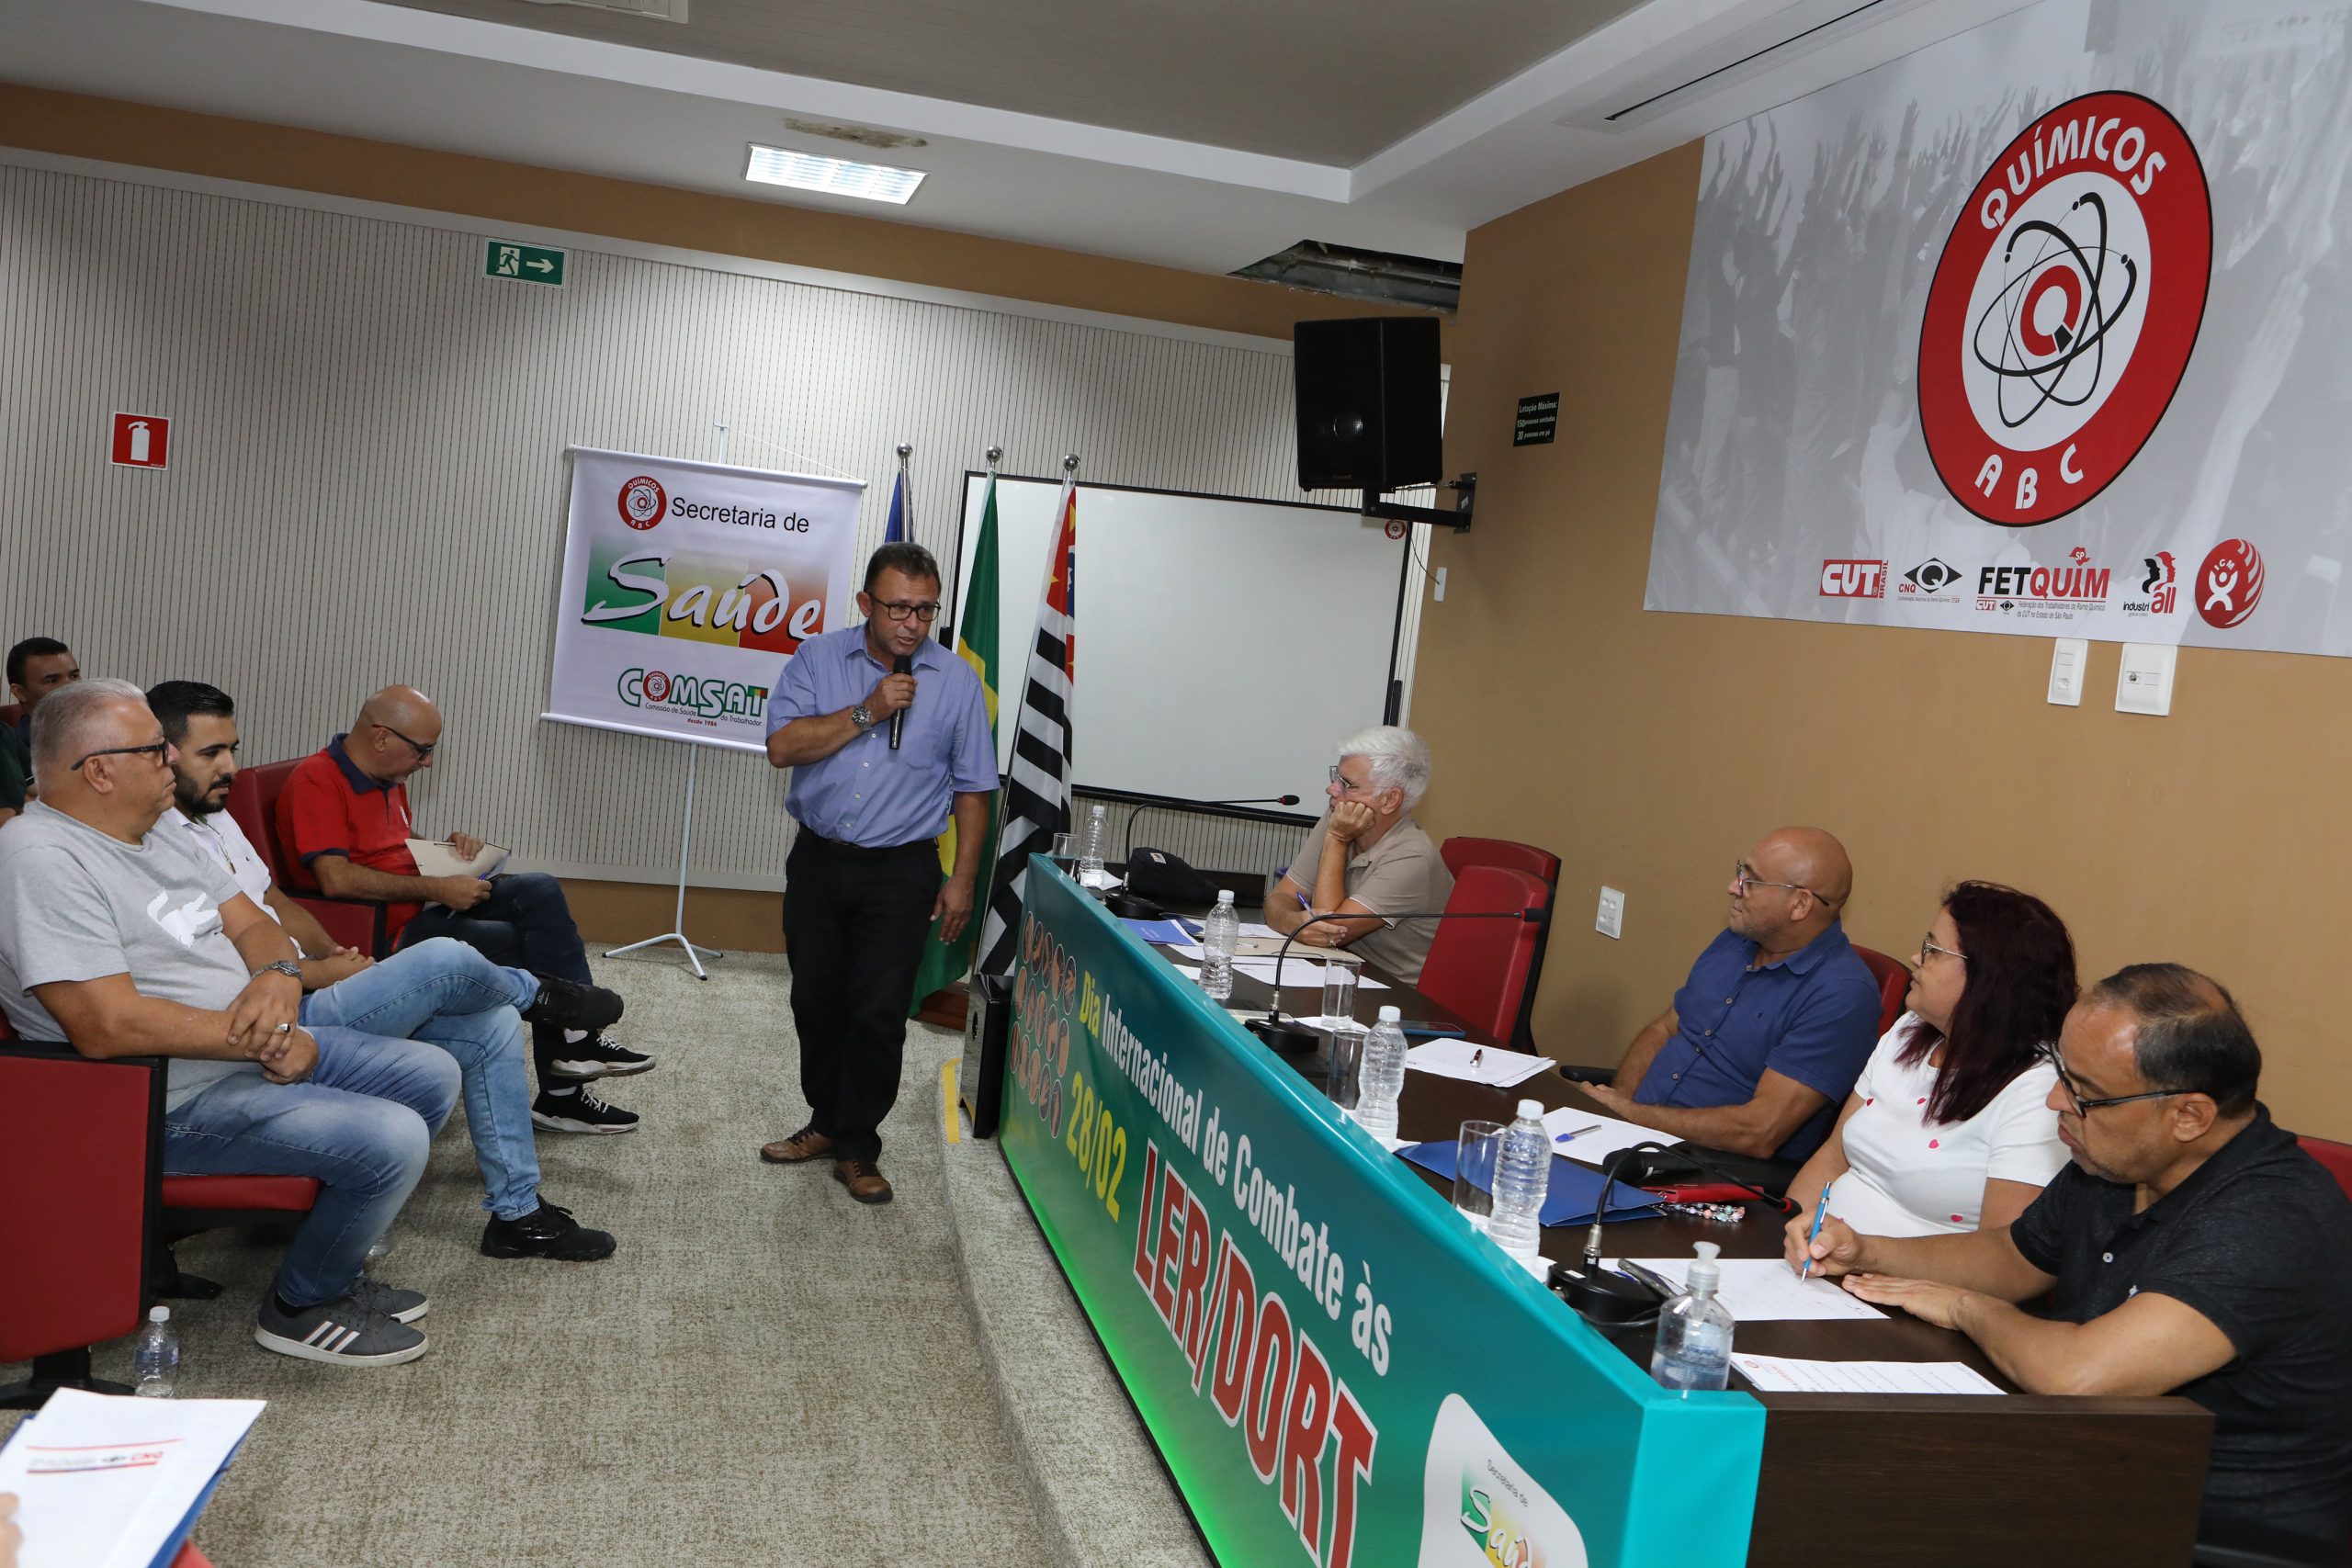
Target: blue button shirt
[[867, 793], [1811, 1017]]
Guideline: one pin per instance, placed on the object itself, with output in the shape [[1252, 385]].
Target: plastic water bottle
[[1695, 1330], [155, 1355], [1522, 1179], [1380, 1076], [1220, 934], [1098, 840]]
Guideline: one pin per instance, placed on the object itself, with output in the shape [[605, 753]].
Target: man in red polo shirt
[[343, 820]]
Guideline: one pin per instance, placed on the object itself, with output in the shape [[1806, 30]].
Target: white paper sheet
[[1782, 1374], [1475, 1063], [1297, 971], [1597, 1136], [1324, 1020], [1766, 1290], [102, 1481]]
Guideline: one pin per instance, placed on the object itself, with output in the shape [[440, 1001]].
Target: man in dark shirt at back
[[2194, 1248]]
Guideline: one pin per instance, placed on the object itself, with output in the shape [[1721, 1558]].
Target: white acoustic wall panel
[[366, 478]]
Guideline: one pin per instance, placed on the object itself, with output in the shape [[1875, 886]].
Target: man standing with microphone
[[886, 733]]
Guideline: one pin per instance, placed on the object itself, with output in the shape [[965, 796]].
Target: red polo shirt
[[329, 807]]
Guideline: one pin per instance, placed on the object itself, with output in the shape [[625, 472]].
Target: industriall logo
[[2228, 585], [643, 502], [2063, 307], [2159, 592]]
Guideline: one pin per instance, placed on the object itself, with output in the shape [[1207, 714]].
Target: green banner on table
[[1338, 1371]]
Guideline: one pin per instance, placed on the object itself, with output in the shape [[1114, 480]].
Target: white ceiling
[[1201, 134]]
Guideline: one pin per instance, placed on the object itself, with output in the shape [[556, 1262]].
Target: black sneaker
[[577, 1111], [546, 1231], [342, 1333], [568, 1004], [400, 1306], [598, 1056]]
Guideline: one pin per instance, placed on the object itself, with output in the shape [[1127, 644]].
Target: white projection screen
[[1223, 644]]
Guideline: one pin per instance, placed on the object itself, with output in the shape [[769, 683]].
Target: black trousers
[[526, 923], [853, 929]]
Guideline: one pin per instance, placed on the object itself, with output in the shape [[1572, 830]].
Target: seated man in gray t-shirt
[[122, 942], [1366, 859]]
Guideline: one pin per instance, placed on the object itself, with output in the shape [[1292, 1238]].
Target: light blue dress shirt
[[867, 793]]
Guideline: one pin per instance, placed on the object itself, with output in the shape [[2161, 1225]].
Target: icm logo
[[2228, 585], [1931, 576], [643, 502], [1853, 579], [2063, 307]]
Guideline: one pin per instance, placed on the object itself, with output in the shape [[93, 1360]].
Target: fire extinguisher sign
[[142, 441]]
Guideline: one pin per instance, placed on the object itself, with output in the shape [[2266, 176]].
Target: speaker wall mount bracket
[[1464, 491]]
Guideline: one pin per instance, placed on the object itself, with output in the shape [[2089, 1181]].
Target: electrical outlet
[[1611, 920]]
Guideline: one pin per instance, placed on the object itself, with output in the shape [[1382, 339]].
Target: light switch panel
[[1611, 920], [2144, 680], [2068, 657]]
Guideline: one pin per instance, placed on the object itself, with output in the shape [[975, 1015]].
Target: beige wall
[[1650, 750]]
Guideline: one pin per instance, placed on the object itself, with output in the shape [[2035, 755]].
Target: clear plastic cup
[[1477, 1149], [1339, 996], [1345, 1050]]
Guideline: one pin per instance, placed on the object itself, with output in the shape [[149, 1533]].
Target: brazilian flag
[[944, 962]]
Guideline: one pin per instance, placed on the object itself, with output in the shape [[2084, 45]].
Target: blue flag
[[895, 531]]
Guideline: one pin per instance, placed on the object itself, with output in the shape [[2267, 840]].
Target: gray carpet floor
[[766, 1372]]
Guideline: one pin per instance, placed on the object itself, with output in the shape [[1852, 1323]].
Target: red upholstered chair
[[190, 1557], [1460, 854], [1894, 984], [1484, 969], [253, 801], [1542, 864], [80, 1145], [2338, 1158]]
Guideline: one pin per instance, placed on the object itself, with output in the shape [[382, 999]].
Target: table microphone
[[905, 666], [1298, 1039], [1144, 806], [1609, 1300]]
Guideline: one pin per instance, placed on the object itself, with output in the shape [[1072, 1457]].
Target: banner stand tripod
[[677, 932]]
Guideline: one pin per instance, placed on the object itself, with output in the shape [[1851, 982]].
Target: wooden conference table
[[1871, 1479]]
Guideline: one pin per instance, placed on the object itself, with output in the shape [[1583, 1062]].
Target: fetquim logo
[[2228, 585], [2064, 308]]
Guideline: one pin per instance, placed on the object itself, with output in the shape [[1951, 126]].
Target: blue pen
[[1576, 1132], [1820, 1213]]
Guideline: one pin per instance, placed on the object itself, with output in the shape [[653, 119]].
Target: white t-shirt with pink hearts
[[1908, 1176]]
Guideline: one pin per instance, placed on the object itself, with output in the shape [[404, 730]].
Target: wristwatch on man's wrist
[[860, 717], [285, 967]]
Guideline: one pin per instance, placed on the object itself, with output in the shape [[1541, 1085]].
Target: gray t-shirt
[[77, 904]]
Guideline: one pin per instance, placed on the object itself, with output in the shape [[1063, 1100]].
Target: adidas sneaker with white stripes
[[344, 1333]]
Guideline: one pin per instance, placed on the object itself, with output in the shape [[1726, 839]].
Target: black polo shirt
[[2259, 1242]]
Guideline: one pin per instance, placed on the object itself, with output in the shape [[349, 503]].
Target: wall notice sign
[[1538, 422], [528, 264], [142, 441]]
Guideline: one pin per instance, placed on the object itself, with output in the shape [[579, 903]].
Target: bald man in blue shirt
[[1767, 1036], [863, 883]]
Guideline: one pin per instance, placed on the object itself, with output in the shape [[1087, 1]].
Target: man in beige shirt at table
[[1366, 858]]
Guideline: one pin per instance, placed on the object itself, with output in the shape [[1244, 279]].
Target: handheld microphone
[[1297, 1038], [905, 666], [1144, 806]]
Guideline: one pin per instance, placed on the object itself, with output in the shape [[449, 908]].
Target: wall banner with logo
[[686, 585], [1336, 1369], [2037, 330]]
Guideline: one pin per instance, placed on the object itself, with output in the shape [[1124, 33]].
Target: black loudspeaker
[[1368, 414], [980, 1082]]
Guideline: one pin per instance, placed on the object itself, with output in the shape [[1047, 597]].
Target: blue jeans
[[445, 993], [361, 1124]]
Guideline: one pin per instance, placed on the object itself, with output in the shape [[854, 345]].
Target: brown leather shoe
[[806, 1145], [863, 1179]]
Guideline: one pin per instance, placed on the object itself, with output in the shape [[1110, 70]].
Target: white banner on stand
[[684, 587]]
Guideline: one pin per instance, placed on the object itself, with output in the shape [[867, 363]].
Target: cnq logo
[[698, 696]]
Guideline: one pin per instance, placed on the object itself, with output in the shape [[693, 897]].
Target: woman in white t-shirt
[[1946, 1129]]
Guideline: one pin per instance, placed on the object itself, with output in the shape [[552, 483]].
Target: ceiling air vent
[[1374, 276], [1786, 35], [655, 11]]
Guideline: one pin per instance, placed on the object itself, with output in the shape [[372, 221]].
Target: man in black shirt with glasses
[[2193, 1248]]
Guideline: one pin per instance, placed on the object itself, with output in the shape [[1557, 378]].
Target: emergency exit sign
[[528, 264]]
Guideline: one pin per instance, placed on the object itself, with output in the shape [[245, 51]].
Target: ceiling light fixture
[[832, 176]]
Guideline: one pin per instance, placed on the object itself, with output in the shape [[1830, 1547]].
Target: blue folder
[[1570, 1200]]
